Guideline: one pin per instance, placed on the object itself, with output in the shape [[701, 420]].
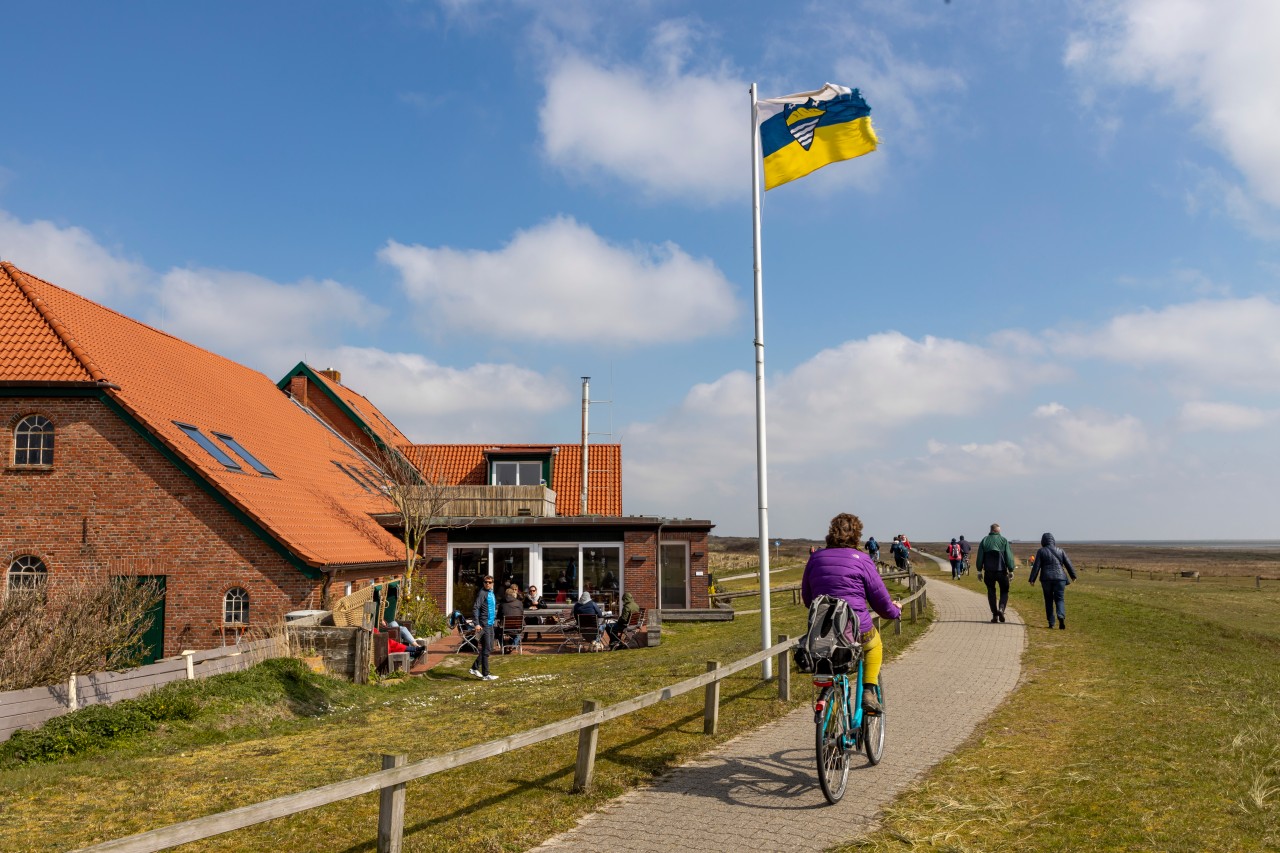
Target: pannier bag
[[826, 648]]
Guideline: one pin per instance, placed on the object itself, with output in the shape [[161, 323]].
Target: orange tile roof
[[372, 416], [311, 507], [465, 465]]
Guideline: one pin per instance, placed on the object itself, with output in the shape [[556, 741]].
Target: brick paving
[[760, 791]]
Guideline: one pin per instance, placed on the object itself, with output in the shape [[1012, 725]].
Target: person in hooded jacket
[[953, 556], [843, 571], [1052, 565]]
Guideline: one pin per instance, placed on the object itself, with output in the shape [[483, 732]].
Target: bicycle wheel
[[873, 729], [831, 731]]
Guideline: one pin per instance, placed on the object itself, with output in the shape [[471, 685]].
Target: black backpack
[[993, 563], [826, 648]]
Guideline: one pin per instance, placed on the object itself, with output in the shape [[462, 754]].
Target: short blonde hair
[[845, 531]]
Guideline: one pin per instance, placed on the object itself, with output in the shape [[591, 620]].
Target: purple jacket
[[848, 574]]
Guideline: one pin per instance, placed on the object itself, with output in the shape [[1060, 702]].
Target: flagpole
[[762, 476]]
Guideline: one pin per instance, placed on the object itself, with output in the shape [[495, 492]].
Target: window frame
[[44, 435], [34, 580], [208, 446], [238, 607], [238, 449]]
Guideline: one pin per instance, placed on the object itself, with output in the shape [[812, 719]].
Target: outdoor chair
[[469, 644], [630, 632], [588, 630], [512, 629], [567, 625]]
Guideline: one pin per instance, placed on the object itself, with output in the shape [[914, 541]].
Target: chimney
[[298, 389], [332, 374]]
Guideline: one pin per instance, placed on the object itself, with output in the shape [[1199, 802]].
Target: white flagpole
[[762, 476]]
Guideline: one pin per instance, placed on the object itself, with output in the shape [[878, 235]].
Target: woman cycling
[[843, 571]]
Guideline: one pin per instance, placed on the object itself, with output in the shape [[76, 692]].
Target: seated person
[[533, 601], [403, 634], [511, 607], [562, 587], [394, 645], [586, 605], [617, 628]]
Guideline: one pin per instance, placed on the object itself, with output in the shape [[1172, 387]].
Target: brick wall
[[113, 504]]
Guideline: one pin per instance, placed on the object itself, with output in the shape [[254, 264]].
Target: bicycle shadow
[[786, 780]]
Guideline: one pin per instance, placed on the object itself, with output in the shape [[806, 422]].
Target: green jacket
[[996, 544]]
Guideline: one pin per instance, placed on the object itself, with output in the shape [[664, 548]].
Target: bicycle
[[841, 725]]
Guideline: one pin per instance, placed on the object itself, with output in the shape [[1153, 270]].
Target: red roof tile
[[466, 465], [311, 506]]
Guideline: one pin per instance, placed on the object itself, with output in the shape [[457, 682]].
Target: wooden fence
[[396, 772], [22, 709]]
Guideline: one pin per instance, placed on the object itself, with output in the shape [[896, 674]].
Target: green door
[[153, 640]]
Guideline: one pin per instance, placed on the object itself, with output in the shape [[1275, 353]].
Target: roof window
[[209, 447], [245, 455]]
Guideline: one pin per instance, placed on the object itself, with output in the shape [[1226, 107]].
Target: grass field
[[1152, 723], [306, 733]]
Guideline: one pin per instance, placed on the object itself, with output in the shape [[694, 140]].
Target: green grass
[[266, 735], [1152, 723]]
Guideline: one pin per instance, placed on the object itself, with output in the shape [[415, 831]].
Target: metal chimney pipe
[[586, 399]]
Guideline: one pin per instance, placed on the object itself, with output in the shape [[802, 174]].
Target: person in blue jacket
[[484, 612], [1052, 565]]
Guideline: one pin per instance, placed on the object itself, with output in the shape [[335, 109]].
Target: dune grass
[[1152, 723], [253, 745]]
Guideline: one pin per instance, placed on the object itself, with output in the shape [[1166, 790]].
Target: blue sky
[[1050, 299]]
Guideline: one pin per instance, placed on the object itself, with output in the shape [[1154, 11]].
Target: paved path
[[760, 791]]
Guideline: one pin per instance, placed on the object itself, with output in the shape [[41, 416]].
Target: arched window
[[235, 607], [33, 441], [27, 574]]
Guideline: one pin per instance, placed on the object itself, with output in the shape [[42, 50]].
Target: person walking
[[995, 567], [965, 548], [1053, 566], [873, 549], [484, 611], [899, 553], [953, 556]]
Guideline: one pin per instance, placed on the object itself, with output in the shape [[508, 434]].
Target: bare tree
[[422, 500], [72, 625]]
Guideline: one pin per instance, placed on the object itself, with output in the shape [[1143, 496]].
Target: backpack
[[826, 648], [993, 563], [953, 552]]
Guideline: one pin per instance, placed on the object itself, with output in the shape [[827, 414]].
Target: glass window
[[511, 565], [27, 574], [33, 441], [235, 607], [600, 574], [517, 473], [470, 565], [244, 454], [559, 573], [209, 447]]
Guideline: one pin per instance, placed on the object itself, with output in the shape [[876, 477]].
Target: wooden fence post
[[191, 666], [587, 739], [73, 700], [711, 707], [1259, 582], [391, 810], [784, 671]]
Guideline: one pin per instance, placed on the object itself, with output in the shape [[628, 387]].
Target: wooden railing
[[396, 772]]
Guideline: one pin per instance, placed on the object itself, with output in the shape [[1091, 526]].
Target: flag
[[803, 132]]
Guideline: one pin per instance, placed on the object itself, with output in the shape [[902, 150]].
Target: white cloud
[[434, 402], [671, 133], [1204, 416], [843, 401], [1216, 60], [70, 257], [1227, 341], [561, 282], [255, 320]]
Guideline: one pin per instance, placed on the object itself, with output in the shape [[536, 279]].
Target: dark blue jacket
[[1051, 563]]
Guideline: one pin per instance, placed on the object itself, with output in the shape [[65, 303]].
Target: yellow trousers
[[872, 657]]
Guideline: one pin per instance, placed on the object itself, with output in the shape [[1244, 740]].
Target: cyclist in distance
[[841, 570]]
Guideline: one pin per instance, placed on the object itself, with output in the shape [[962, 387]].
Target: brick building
[[135, 453]]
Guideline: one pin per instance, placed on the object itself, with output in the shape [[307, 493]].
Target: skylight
[[245, 455], [212, 449]]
